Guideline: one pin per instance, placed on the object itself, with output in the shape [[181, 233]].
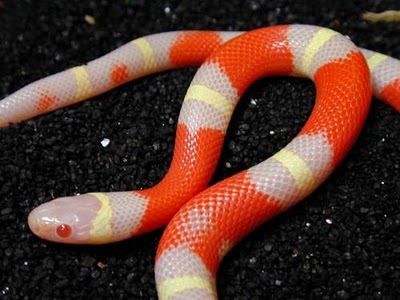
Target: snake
[[203, 223]]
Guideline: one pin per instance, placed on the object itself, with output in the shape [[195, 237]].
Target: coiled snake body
[[204, 223]]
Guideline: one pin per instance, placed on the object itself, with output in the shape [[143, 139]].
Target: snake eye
[[64, 230]]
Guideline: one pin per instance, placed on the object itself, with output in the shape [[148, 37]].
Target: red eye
[[64, 230]]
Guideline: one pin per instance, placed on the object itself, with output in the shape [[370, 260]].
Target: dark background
[[341, 243]]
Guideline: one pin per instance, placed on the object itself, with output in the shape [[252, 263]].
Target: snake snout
[[39, 221], [65, 220]]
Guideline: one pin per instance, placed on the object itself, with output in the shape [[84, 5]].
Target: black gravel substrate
[[341, 243]]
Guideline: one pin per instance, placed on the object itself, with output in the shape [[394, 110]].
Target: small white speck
[[253, 102], [278, 282], [228, 165], [156, 146], [26, 263], [5, 291], [329, 221], [167, 10], [295, 253], [308, 224], [105, 142], [268, 247], [254, 6], [253, 260], [382, 182], [272, 132]]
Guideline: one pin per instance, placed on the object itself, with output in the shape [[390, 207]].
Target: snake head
[[65, 220]]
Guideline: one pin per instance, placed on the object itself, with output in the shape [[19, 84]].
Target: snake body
[[205, 223]]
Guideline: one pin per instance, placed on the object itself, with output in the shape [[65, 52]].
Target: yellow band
[[101, 228], [375, 60], [213, 98], [298, 168], [171, 287], [318, 40], [150, 62], [84, 88]]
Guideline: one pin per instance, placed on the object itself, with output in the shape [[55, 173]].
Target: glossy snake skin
[[204, 224]]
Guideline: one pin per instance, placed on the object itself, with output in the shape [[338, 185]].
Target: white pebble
[[105, 142]]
